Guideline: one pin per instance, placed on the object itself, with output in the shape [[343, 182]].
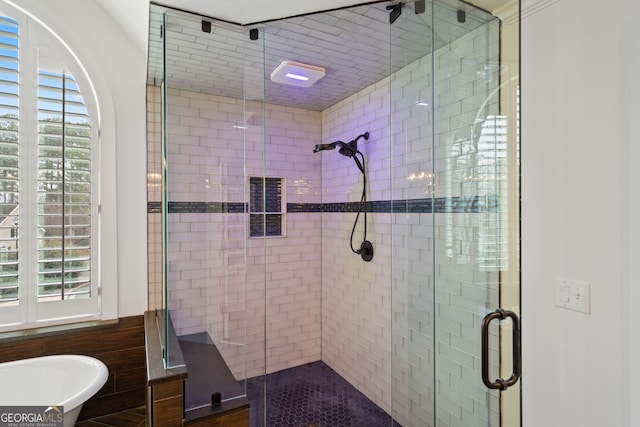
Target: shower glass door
[[455, 180]]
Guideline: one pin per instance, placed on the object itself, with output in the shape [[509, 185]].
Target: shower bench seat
[[182, 395], [212, 394]]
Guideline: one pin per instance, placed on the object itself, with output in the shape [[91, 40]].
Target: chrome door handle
[[501, 384]]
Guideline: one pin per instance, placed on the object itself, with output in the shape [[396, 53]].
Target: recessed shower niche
[[260, 207]]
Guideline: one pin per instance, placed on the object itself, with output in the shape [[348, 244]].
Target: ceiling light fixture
[[297, 77], [297, 74]]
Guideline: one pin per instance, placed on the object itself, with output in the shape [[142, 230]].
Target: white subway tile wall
[[220, 280], [467, 271], [380, 318], [154, 189], [374, 323]]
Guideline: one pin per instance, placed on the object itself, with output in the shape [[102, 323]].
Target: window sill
[[47, 331]]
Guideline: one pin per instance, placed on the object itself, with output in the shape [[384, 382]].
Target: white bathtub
[[67, 380]]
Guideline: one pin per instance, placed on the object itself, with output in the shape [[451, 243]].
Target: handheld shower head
[[348, 149], [321, 147]]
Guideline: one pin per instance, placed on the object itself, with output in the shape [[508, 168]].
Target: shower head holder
[[349, 149]]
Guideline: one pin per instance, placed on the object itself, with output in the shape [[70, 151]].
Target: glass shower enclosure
[[254, 235], [199, 162]]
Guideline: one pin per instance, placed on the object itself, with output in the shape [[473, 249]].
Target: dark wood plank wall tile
[[123, 419], [97, 342], [168, 412], [18, 350], [100, 406], [235, 418], [168, 389], [109, 387], [122, 360], [130, 379]]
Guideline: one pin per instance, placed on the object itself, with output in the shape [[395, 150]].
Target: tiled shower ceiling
[[357, 46]]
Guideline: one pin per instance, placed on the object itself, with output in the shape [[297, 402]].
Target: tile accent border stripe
[[198, 207], [474, 204]]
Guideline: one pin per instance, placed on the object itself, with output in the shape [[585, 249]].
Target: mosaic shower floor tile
[[311, 395]]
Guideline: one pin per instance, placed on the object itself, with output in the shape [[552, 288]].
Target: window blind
[[9, 160], [64, 189]]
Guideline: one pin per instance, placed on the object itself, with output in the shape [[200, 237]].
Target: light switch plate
[[573, 294]]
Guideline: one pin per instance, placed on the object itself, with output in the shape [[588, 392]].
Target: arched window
[[49, 180]]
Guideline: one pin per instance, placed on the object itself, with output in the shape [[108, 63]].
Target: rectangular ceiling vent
[[297, 74]]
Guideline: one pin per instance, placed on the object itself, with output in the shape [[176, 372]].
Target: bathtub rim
[[94, 383]]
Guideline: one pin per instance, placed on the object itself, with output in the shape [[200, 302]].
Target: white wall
[[631, 152], [579, 207], [118, 68]]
